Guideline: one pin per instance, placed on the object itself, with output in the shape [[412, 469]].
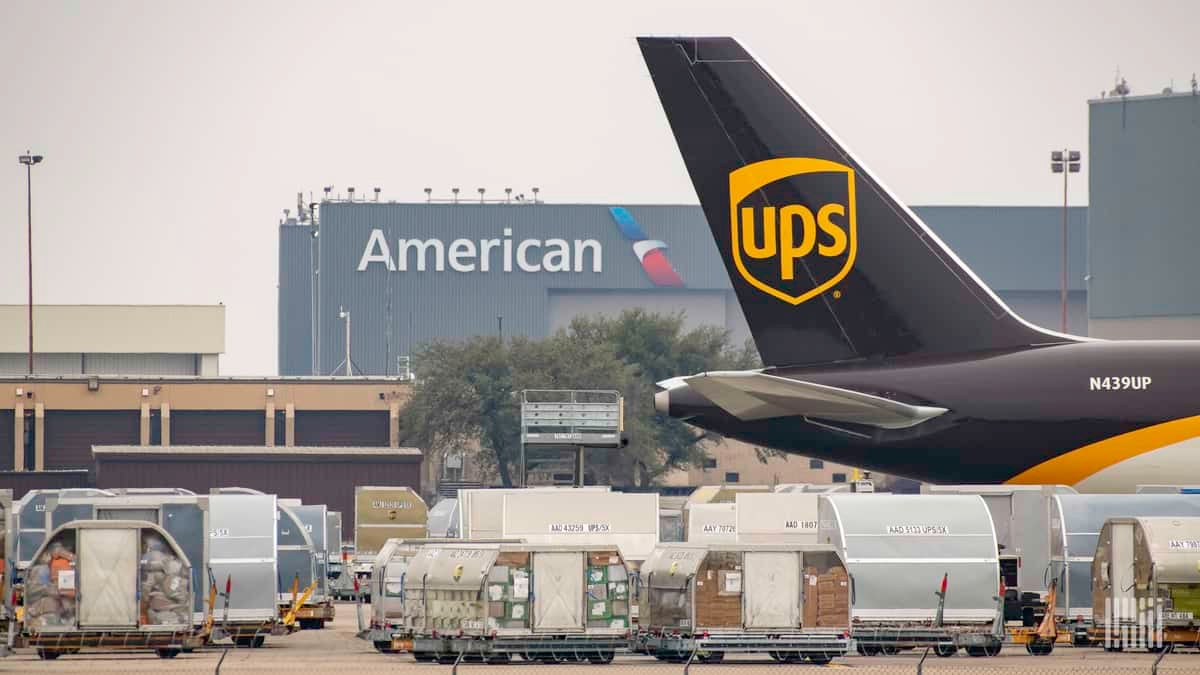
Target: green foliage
[[468, 392]]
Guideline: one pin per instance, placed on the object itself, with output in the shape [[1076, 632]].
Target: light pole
[[1065, 162], [29, 159]]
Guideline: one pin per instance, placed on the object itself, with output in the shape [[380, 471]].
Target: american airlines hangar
[[408, 273]]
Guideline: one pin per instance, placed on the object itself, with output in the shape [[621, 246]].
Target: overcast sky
[[175, 133]]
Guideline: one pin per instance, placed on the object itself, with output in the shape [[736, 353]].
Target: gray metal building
[[1144, 227], [411, 273]]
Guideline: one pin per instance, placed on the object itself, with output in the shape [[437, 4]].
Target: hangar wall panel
[[217, 427], [1144, 227]]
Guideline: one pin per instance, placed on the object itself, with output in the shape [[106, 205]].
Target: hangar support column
[[39, 436], [144, 425], [19, 437], [166, 425], [269, 429]]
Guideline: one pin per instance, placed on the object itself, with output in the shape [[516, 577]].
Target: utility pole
[[29, 159], [1065, 162], [346, 316]]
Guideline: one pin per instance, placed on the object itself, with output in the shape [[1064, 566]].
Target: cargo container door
[[558, 591], [108, 573], [772, 592], [1124, 606]]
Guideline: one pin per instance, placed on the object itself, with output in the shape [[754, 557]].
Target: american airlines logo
[[650, 252], [483, 255]]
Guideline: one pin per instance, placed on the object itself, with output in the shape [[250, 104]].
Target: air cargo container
[[303, 593], [1146, 583], [546, 603], [6, 609], [790, 601], [481, 511], [776, 518], [900, 550], [711, 524], [1075, 523], [314, 519], [230, 536], [114, 584], [382, 513], [27, 529], [443, 520], [388, 576], [333, 547], [1021, 517], [628, 521]]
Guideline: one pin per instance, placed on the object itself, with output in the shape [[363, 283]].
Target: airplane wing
[[752, 395]]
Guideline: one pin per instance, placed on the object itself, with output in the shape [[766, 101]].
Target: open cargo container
[[627, 521], [333, 550], [232, 536], [776, 518], [711, 524], [27, 528], [1075, 523], [546, 603], [898, 550], [115, 584], [1021, 516], [1146, 583], [789, 601]]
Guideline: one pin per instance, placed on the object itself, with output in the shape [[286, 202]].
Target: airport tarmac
[[336, 650]]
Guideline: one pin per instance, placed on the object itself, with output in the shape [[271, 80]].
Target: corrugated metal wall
[[21, 482], [1144, 232], [100, 364], [315, 481], [297, 258], [217, 427], [70, 434], [317, 428], [1014, 249]]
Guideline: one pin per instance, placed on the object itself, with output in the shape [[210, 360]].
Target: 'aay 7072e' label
[[919, 530], [1138, 382]]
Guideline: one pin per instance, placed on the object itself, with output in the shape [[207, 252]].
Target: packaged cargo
[[541, 601], [443, 520], [749, 598]]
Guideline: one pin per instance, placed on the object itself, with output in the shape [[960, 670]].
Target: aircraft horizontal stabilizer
[[752, 395]]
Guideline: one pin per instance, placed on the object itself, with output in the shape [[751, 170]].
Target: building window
[[732, 477], [816, 464], [839, 478], [710, 463]]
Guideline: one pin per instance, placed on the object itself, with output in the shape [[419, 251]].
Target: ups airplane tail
[[827, 265]]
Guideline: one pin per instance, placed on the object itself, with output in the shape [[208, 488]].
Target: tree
[[467, 392]]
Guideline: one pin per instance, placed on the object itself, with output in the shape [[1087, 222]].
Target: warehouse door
[[557, 591], [108, 572], [772, 590]]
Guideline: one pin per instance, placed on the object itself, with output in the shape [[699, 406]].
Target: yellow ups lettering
[[797, 234]]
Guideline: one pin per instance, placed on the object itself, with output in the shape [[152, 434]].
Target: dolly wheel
[[48, 654], [1039, 647], [945, 649], [167, 652], [820, 658], [711, 657]]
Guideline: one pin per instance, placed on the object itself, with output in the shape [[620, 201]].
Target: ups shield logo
[[804, 242]]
